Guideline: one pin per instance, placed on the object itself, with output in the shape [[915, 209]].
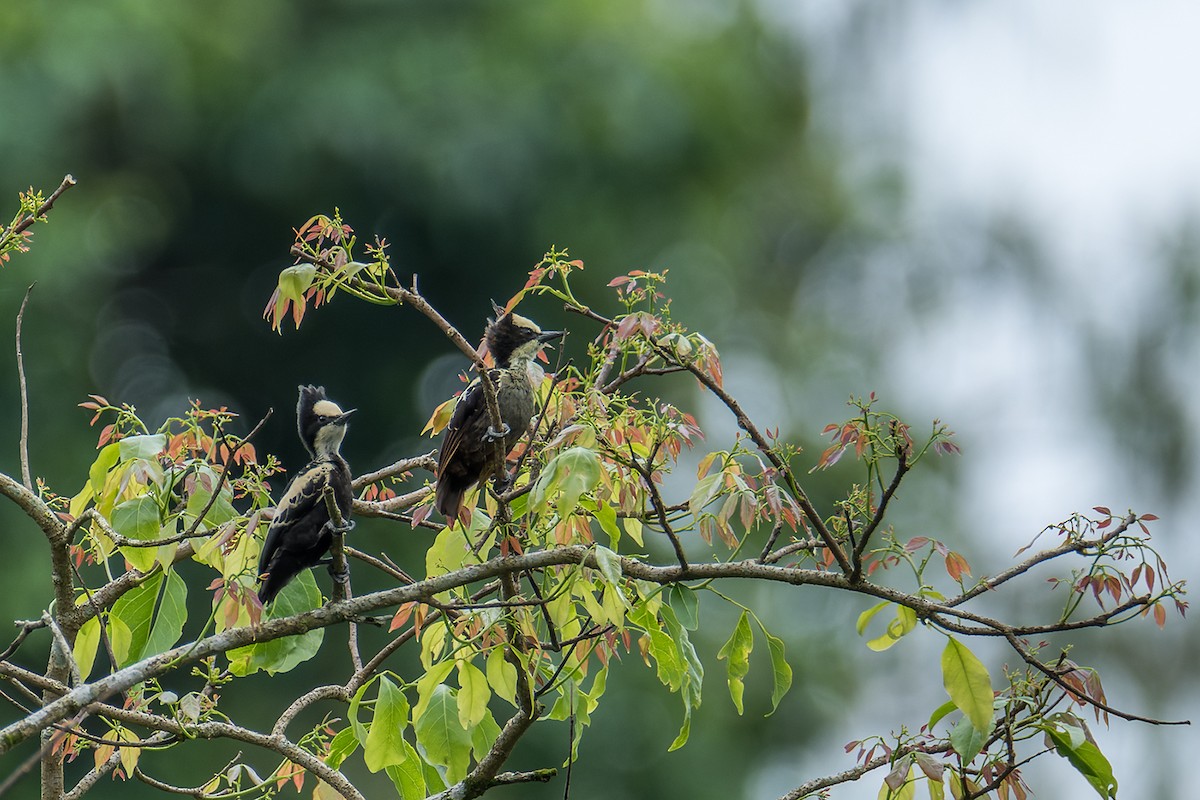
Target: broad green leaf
[[473, 694], [445, 741], [384, 745], [937, 790], [221, 512], [360, 730], [87, 642], [502, 675], [341, 747], [105, 460], [968, 684], [572, 472], [426, 685], [281, 655], [781, 670], [138, 519], [606, 515], [865, 617], [1086, 758], [169, 619], [967, 740], [693, 669], [686, 605], [737, 653], [409, 775], [610, 567], [135, 609], [145, 446], [484, 736]]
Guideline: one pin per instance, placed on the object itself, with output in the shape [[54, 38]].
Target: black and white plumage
[[300, 535], [467, 456]]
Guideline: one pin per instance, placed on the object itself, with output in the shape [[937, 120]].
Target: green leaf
[[865, 617], [281, 655], [426, 685], [572, 472], [686, 604], [484, 736], [905, 621], [222, 510], [409, 775], [782, 672], [105, 460], [341, 747], [445, 741], [685, 731], [502, 675], [146, 446], [633, 527], [169, 619], [138, 519], [606, 515], [384, 746], [473, 695], [937, 790], [295, 280], [609, 564], [87, 642], [135, 609], [662, 649], [940, 712], [1086, 758], [704, 492], [967, 740], [968, 684], [737, 652], [119, 637]]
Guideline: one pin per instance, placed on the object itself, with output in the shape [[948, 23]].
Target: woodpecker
[[301, 531], [467, 456]]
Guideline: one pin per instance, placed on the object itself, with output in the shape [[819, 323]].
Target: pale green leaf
[[606, 515], [704, 491], [967, 740], [105, 460], [865, 617], [940, 712], [145, 446], [341, 747], [426, 685], [87, 642], [572, 472], [968, 684], [138, 519], [633, 527], [473, 694], [685, 731], [384, 745], [484, 735], [736, 651], [502, 675], [295, 280]]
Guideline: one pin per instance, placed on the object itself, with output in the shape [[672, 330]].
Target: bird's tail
[[448, 498]]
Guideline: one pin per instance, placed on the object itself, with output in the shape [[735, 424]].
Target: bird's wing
[[301, 498], [470, 403]]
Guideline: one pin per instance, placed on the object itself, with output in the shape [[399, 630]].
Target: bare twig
[[426, 462], [25, 474]]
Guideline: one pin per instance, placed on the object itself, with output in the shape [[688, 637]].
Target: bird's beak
[[344, 417], [549, 336]]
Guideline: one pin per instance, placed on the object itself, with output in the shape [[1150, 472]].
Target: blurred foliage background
[[764, 156]]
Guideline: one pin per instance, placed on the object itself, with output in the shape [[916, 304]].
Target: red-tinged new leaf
[[916, 543], [1102, 510], [957, 566], [401, 616], [1160, 615], [1148, 517], [420, 514], [1104, 523], [1113, 584]]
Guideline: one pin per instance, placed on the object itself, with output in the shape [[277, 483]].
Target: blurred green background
[[848, 196]]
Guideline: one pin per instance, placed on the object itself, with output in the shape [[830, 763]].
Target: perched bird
[[467, 456], [300, 533]]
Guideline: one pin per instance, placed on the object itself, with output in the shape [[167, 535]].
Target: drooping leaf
[[968, 684], [572, 473], [385, 739], [87, 642], [940, 712], [967, 740], [781, 671], [736, 651], [473, 694], [169, 618], [445, 741], [137, 518], [502, 675], [408, 776], [1085, 757], [903, 624]]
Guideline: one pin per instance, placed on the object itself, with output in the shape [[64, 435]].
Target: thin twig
[[25, 474]]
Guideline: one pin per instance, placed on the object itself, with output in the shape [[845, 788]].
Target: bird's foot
[[338, 575], [346, 527], [493, 434], [501, 484]]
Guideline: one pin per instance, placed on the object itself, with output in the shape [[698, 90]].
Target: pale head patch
[[525, 322], [326, 408]]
